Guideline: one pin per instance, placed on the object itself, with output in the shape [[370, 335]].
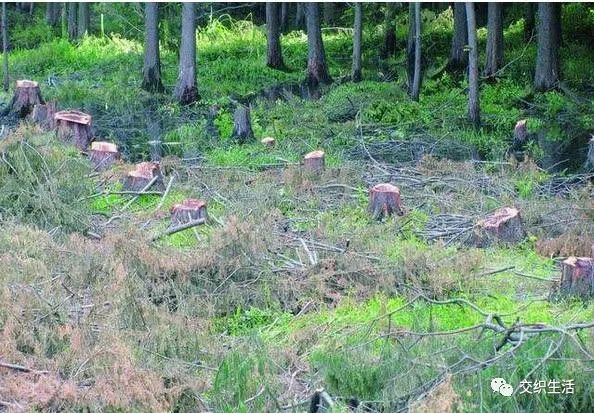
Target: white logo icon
[[499, 385]]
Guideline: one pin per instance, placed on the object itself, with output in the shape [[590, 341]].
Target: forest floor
[[290, 286]]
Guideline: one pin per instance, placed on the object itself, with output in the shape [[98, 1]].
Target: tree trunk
[[103, 155], [494, 40], [26, 95], [474, 114], [274, 56], [43, 115], [152, 63], [74, 127], [84, 19], [242, 125], [546, 76], [458, 57], [72, 32], [414, 51], [284, 16], [329, 13], [529, 20], [5, 47], [314, 161], [186, 90], [577, 277], [300, 16], [53, 13], [317, 71], [188, 211], [384, 201], [357, 40], [389, 48]]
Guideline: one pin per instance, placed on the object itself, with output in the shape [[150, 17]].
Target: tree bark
[[329, 12], [300, 16], [546, 76], [414, 51], [5, 47], [494, 39], [317, 71], [274, 56], [389, 48], [152, 62], [474, 114], [242, 125], [186, 90], [53, 12], [529, 20], [458, 57], [384, 201], [27, 94], [357, 40], [284, 19], [72, 32], [74, 127], [84, 19]]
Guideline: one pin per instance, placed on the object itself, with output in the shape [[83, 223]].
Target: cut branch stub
[[74, 127], [242, 125], [384, 200], [43, 114], [103, 154], [189, 210], [26, 95], [520, 132], [577, 277], [142, 175], [504, 225], [268, 141], [314, 161]]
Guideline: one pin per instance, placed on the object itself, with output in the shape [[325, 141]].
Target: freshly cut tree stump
[[384, 200], [26, 95], [520, 132], [314, 161], [268, 141], [577, 277], [189, 210], [103, 154], [504, 225], [43, 114], [74, 127], [242, 125], [142, 175]]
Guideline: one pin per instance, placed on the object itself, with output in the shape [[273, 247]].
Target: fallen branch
[[21, 369], [179, 228]]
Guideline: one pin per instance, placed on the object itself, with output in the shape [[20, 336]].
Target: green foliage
[[42, 183]]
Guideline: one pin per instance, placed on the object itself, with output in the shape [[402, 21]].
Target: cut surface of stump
[[242, 125], [142, 175], [268, 141], [74, 127], [314, 161], [384, 201], [103, 154], [26, 95], [43, 115], [188, 211], [503, 225], [577, 277]]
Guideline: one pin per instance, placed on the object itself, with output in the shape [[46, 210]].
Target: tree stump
[[74, 127], [268, 141], [520, 132], [314, 161], [43, 115], [577, 277], [142, 175], [26, 95], [242, 125], [504, 225], [384, 201], [189, 210], [103, 154]]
